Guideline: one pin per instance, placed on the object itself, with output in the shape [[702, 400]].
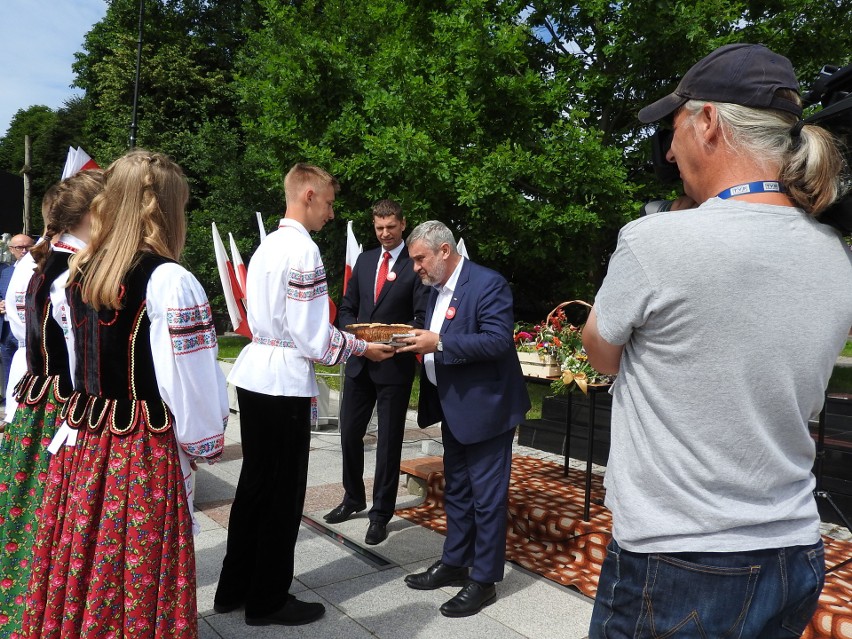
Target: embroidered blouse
[[287, 297]]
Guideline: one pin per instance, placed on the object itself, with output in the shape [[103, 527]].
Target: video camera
[[833, 90]]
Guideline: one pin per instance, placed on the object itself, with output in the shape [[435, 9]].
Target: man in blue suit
[[472, 384], [383, 289]]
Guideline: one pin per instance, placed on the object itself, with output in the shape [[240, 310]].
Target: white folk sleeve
[[62, 316], [183, 342], [308, 315], [16, 296]]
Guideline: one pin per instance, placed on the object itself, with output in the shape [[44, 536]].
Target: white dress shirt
[[439, 314]]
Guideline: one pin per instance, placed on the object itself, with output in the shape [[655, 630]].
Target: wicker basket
[[564, 305], [377, 332]]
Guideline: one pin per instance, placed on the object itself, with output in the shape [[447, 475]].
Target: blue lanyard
[[769, 186]]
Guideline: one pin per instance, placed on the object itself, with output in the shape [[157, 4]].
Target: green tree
[[445, 107], [186, 108], [51, 133]]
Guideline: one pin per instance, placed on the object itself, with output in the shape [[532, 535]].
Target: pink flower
[[11, 547], [50, 407], [45, 441], [42, 476], [158, 493], [110, 594], [4, 488], [20, 476], [4, 619], [5, 584], [77, 563], [15, 511], [24, 563], [28, 527], [26, 441], [159, 451], [181, 623], [181, 581], [19, 600], [141, 623]]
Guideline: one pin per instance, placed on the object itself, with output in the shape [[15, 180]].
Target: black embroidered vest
[[114, 376], [47, 354]]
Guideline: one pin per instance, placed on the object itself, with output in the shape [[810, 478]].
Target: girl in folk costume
[[149, 399], [42, 391]]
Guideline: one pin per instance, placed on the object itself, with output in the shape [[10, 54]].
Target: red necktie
[[383, 274]]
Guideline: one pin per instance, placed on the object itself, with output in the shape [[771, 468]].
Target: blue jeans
[[760, 594]]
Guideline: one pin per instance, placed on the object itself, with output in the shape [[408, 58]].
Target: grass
[[847, 350]]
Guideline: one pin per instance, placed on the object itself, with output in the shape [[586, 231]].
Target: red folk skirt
[[114, 553]]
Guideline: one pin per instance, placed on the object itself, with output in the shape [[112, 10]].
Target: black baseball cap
[[745, 74]]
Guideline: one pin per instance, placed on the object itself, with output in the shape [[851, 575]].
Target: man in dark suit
[[383, 289], [472, 384]]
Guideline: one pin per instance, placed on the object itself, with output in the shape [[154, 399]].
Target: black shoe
[[294, 613], [342, 513], [472, 598], [437, 576], [221, 608], [376, 533]]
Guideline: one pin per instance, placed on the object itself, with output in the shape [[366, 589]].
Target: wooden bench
[[418, 470]]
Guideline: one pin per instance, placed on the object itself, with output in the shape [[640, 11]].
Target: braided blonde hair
[[141, 209]]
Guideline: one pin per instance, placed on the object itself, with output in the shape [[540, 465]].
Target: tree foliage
[[514, 122]]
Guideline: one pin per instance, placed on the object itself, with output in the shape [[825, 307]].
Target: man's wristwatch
[[440, 346]]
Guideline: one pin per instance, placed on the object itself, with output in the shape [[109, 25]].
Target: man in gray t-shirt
[[723, 323]]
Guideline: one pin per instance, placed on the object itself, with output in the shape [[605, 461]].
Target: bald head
[[19, 245]]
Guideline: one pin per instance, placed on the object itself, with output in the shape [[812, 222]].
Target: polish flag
[[230, 287], [239, 266], [353, 250], [77, 160]]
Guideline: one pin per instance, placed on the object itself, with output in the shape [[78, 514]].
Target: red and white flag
[[353, 250], [230, 287], [77, 160], [239, 266]]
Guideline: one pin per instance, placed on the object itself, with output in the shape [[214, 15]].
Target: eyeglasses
[[21, 248]]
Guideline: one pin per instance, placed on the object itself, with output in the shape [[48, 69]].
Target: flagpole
[[136, 83]]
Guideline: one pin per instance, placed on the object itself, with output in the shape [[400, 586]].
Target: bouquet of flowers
[[556, 336]]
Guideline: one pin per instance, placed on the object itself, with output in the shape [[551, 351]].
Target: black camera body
[[833, 90]]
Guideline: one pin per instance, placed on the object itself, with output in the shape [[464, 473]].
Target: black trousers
[[267, 509], [360, 395]]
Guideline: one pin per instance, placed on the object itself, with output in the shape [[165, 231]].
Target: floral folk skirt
[[23, 471], [114, 554]]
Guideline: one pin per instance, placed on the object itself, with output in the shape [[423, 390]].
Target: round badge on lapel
[[391, 276], [451, 312]]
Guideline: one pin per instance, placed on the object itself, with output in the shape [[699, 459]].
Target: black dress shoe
[[222, 608], [376, 533], [293, 613], [437, 576], [342, 513], [472, 598]]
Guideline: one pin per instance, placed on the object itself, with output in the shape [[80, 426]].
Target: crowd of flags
[[232, 273]]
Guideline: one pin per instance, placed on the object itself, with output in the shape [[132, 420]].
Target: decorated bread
[[377, 332]]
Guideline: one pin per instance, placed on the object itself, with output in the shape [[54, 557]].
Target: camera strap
[[768, 186]]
